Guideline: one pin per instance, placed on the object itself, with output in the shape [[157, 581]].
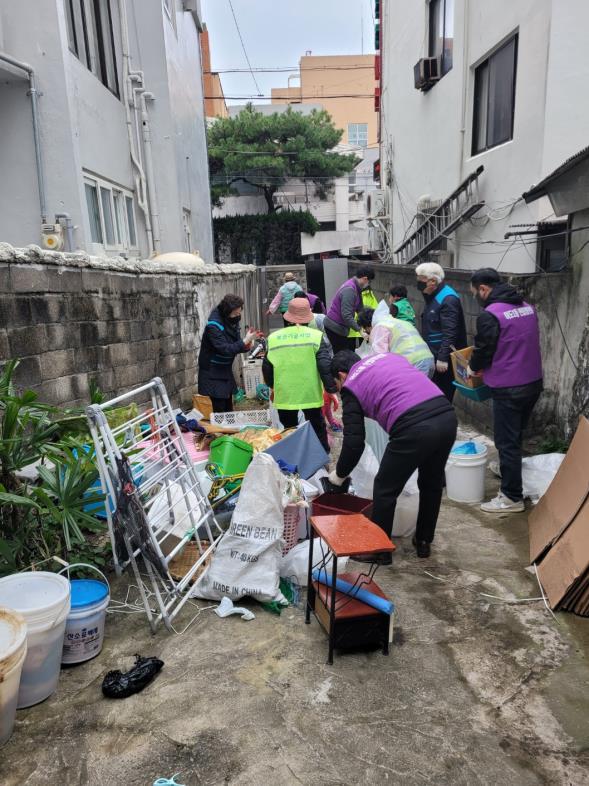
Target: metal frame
[[163, 463]]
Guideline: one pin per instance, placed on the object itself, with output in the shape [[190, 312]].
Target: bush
[[266, 239]]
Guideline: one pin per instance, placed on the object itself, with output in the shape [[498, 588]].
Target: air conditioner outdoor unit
[[426, 72], [375, 203]]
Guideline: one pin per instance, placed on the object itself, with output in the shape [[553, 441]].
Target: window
[[553, 246], [91, 38], [111, 215], [358, 134], [441, 32], [494, 98]]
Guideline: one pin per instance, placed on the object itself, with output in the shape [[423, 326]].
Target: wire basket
[[252, 377], [237, 420], [291, 528]]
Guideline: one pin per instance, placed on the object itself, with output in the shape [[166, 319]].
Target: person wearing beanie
[[297, 368]]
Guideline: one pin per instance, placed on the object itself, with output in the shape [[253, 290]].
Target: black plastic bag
[[119, 685]]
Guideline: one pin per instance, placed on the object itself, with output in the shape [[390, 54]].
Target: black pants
[[338, 343], [444, 382], [423, 446], [222, 404], [510, 418], [289, 419]]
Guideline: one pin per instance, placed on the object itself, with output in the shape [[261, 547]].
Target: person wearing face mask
[[341, 315], [221, 343], [442, 320], [507, 354]]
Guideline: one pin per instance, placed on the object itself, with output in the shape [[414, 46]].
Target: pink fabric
[[275, 303], [188, 439]]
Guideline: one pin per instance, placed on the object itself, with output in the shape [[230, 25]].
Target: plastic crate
[[481, 393], [291, 528], [241, 419], [340, 504], [231, 455], [252, 377]]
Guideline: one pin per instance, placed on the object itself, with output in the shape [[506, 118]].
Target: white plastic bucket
[[84, 630], [13, 650], [43, 599], [465, 474]]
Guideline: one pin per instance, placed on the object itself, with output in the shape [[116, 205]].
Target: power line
[[244, 49], [316, 99]]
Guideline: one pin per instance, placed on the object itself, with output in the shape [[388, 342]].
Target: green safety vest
[[368, 301], [292, 352], [405, 340]]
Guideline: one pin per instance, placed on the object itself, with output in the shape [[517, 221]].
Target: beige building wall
[[347, 76]]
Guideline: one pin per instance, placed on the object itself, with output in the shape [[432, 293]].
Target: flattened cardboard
[[564, 497], [567, 560]]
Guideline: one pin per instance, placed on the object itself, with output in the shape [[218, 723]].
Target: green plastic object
[[239, 395], [232, 455], [482, 393]]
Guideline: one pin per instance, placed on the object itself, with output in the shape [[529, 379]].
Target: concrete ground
[[475, 690]]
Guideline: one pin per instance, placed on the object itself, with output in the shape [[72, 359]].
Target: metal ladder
[[443, 221]]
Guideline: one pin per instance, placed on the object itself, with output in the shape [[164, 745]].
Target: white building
[[501, 85], [119, 129]]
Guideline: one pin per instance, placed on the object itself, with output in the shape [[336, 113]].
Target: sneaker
[[503, 505], [495, 468]]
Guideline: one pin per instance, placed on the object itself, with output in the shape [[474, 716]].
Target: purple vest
[[387, 386], [313, 300], [335, 310], [517, 360]]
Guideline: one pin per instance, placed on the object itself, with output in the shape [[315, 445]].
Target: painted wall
[[84, 126], [70, 318], [427, 137], [332, 81]]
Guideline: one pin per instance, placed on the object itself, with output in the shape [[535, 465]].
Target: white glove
[[249, 336], [441, 367], [335, 479]]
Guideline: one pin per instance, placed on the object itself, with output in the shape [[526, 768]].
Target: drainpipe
[[151, 190], [34, 93], [69, 229], [126, 81]]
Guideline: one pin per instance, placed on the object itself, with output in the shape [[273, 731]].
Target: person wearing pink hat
[[297, 368]]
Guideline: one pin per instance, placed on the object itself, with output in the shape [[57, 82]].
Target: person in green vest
[[297, 367], [391, 334], [368, 301], [398, 296]]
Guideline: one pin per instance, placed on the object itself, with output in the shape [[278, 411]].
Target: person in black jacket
[[443, 326], [220, 345], [507, 354]]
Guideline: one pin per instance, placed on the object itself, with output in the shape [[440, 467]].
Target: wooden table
[[347, 536]]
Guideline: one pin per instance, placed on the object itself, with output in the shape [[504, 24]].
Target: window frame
[[90, 27], [476, 124], [444, 9], [122, 241], [357, 126]]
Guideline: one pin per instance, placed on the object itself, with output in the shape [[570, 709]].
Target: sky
[[276, 33]]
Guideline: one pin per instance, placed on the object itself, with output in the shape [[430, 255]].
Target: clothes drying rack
[[163, 472]]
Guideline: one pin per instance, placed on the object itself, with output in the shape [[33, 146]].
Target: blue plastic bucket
[[84, 630]]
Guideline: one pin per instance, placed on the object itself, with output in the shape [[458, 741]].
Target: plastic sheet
[[538, 473]]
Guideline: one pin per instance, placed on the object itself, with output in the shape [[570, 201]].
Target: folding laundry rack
[[161, 467]]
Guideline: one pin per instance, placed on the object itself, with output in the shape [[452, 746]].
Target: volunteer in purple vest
[[507, 352], [341, 315], [421, 425]]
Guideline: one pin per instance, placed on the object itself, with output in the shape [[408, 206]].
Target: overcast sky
[[277, 33]]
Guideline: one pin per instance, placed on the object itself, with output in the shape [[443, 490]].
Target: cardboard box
[[460, 360], [559, 530]]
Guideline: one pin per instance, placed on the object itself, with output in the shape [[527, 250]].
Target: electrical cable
[[258, 88], [287, 69]]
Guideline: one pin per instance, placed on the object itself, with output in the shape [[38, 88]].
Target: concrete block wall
[[70, 318]]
